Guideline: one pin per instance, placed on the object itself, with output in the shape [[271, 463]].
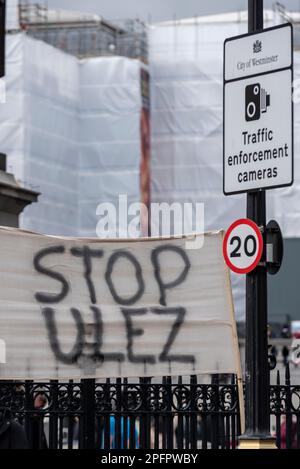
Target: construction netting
[[71, 130]]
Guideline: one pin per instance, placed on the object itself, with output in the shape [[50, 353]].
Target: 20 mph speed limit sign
[[242, 246]]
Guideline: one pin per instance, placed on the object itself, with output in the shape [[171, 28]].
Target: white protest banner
[[86, 308]]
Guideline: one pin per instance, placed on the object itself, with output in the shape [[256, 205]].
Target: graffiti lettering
[[163, 286], [164, 356], [50, 297], [90, 336], [87, 254], [139, 277]]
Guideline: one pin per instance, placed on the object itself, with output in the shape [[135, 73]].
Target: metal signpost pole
[[257, 368]]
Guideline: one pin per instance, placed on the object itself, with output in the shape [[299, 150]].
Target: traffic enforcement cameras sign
[[258, 111]]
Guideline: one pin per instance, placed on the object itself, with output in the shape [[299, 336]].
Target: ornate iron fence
[[285, 412], [173, 413]]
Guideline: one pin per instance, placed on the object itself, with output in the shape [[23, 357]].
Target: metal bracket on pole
[[274, 247]]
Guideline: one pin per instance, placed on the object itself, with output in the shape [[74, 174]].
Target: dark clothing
[[285, 351], [37, 435], [12, 434], [285, 355]]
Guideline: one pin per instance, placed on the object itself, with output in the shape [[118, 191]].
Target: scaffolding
[[84, 35], [291, 17]]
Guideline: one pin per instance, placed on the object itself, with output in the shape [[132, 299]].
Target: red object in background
[[145, 152], [293, 435]]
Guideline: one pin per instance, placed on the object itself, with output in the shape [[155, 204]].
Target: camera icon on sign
[[257, 101]]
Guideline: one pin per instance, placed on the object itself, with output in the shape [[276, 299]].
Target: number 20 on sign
[[243, 246]]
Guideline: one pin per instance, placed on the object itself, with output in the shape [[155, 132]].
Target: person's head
[[40, 400]]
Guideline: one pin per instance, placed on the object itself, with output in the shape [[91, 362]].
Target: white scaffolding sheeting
[[51, 136], [110, 148], [12, 15], [12, 129], [71, 130]]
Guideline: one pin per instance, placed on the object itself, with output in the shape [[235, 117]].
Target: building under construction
[[84, 35]]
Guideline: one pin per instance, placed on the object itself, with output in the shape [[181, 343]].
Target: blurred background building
[[84, 35], [76, 123], [75, 115]]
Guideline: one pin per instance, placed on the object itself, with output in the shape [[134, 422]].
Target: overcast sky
[[158, 10]]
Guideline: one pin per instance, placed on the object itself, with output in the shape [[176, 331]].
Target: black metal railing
[[169, 414], [285, 412]]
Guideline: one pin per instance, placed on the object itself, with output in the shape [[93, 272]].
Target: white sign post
[[258, 111]]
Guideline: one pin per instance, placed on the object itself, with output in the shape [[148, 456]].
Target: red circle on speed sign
[[242, 246]]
